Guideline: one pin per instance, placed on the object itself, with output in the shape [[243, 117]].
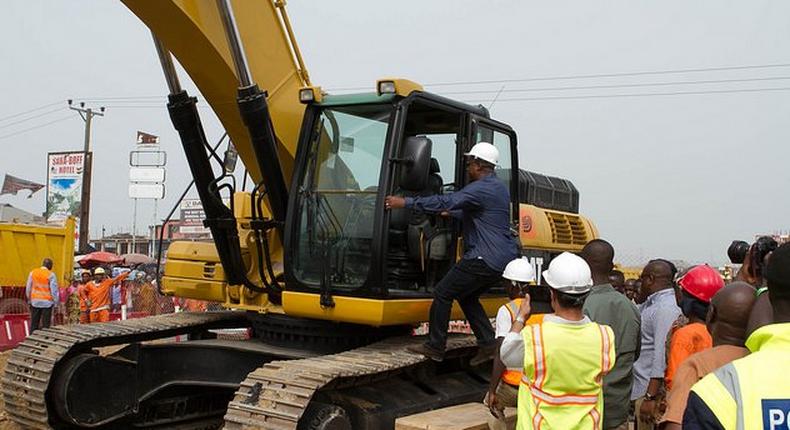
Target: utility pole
[[87, 115]]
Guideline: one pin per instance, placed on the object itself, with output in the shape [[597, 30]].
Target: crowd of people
[[669, 349], [93, 295], [683, 350]]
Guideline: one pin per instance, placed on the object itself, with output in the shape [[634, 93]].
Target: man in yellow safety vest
[[752, 392], [42, 293], [565, 358]]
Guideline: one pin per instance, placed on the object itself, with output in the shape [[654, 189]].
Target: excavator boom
[[193, 31]]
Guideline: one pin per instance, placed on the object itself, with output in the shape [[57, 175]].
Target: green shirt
[[605, 305]]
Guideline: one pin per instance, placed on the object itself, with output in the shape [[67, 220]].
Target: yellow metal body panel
[[554, 231], [373, 312], [24, 246]]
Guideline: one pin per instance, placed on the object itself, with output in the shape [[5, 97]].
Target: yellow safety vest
[[39, 289], [513, 376], [564, 365], [752, 392]]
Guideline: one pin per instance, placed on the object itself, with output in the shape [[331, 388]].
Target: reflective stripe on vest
[[512, 376], [512, 308], [605, 344], [539, 356], [565, 399], [40, 285], [728, 376], [596, 418]]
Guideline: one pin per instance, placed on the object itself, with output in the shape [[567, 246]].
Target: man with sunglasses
[[483, 206]]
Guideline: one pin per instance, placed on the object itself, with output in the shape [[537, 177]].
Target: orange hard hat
[[702, 282]]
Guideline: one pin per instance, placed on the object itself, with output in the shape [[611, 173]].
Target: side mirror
[[415, 161]]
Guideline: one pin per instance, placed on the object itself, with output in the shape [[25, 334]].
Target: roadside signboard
[[146, 191], [64, 184], [147, 174]]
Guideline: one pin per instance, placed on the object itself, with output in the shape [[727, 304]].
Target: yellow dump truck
[[23, 247]]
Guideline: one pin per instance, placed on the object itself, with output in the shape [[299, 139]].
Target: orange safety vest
[[513, 377], [40, 284]]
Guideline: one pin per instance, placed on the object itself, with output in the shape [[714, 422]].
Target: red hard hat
[[702, 282]]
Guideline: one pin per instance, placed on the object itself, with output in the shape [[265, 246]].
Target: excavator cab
[[356, 149]]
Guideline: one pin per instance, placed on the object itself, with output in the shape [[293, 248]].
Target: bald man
[[726, 321], [606, 305], [659, 311]]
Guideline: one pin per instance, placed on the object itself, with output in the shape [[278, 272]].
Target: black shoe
[[484, 353], [428, 351]]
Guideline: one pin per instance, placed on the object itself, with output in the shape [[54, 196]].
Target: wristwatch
[[650, 397], [520, 319]]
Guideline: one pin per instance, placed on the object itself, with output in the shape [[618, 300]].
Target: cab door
[[504, 139]]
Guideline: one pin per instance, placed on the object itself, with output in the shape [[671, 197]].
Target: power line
[[35, 127], [605, 96], [31, 110], [594, 75], [29, 118], [646, 84], [148, 106]]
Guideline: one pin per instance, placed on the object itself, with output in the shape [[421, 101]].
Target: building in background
[[13, 214], [123, 243]]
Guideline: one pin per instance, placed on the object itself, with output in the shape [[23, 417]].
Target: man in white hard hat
[[503, 388], [564, 358], [483, 206]]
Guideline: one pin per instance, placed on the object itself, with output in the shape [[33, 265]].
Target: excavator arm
[[192, 30]]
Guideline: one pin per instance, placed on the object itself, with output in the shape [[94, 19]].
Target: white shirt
[[503, 322], [512, 349]]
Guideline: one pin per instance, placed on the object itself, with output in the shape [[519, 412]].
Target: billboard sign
[[192, 212], [64, 184]]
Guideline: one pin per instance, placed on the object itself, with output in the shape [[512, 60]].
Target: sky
[[666, 175]]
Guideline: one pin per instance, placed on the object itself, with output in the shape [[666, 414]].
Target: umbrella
[[134, 259], [99, 258]]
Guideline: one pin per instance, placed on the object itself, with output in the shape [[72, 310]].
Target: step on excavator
[[328, 282]]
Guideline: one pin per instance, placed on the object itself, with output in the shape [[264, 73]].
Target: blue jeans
[[465, 282]]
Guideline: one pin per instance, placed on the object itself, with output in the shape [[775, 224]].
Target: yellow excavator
[[328, 282]]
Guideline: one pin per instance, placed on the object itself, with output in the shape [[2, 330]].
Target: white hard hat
[[519, 270], [99, 271], [485, 151], [569, 273]]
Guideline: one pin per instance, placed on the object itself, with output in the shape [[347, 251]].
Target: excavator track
[[33, 362], [276, 395]]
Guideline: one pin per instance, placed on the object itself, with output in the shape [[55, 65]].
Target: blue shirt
[[659, 311], [484, 208]]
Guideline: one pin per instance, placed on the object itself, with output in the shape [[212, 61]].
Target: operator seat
[[411, 233]]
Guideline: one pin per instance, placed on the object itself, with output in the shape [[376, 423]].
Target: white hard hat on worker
[[568, 273], [519, 270], [484, 151]]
